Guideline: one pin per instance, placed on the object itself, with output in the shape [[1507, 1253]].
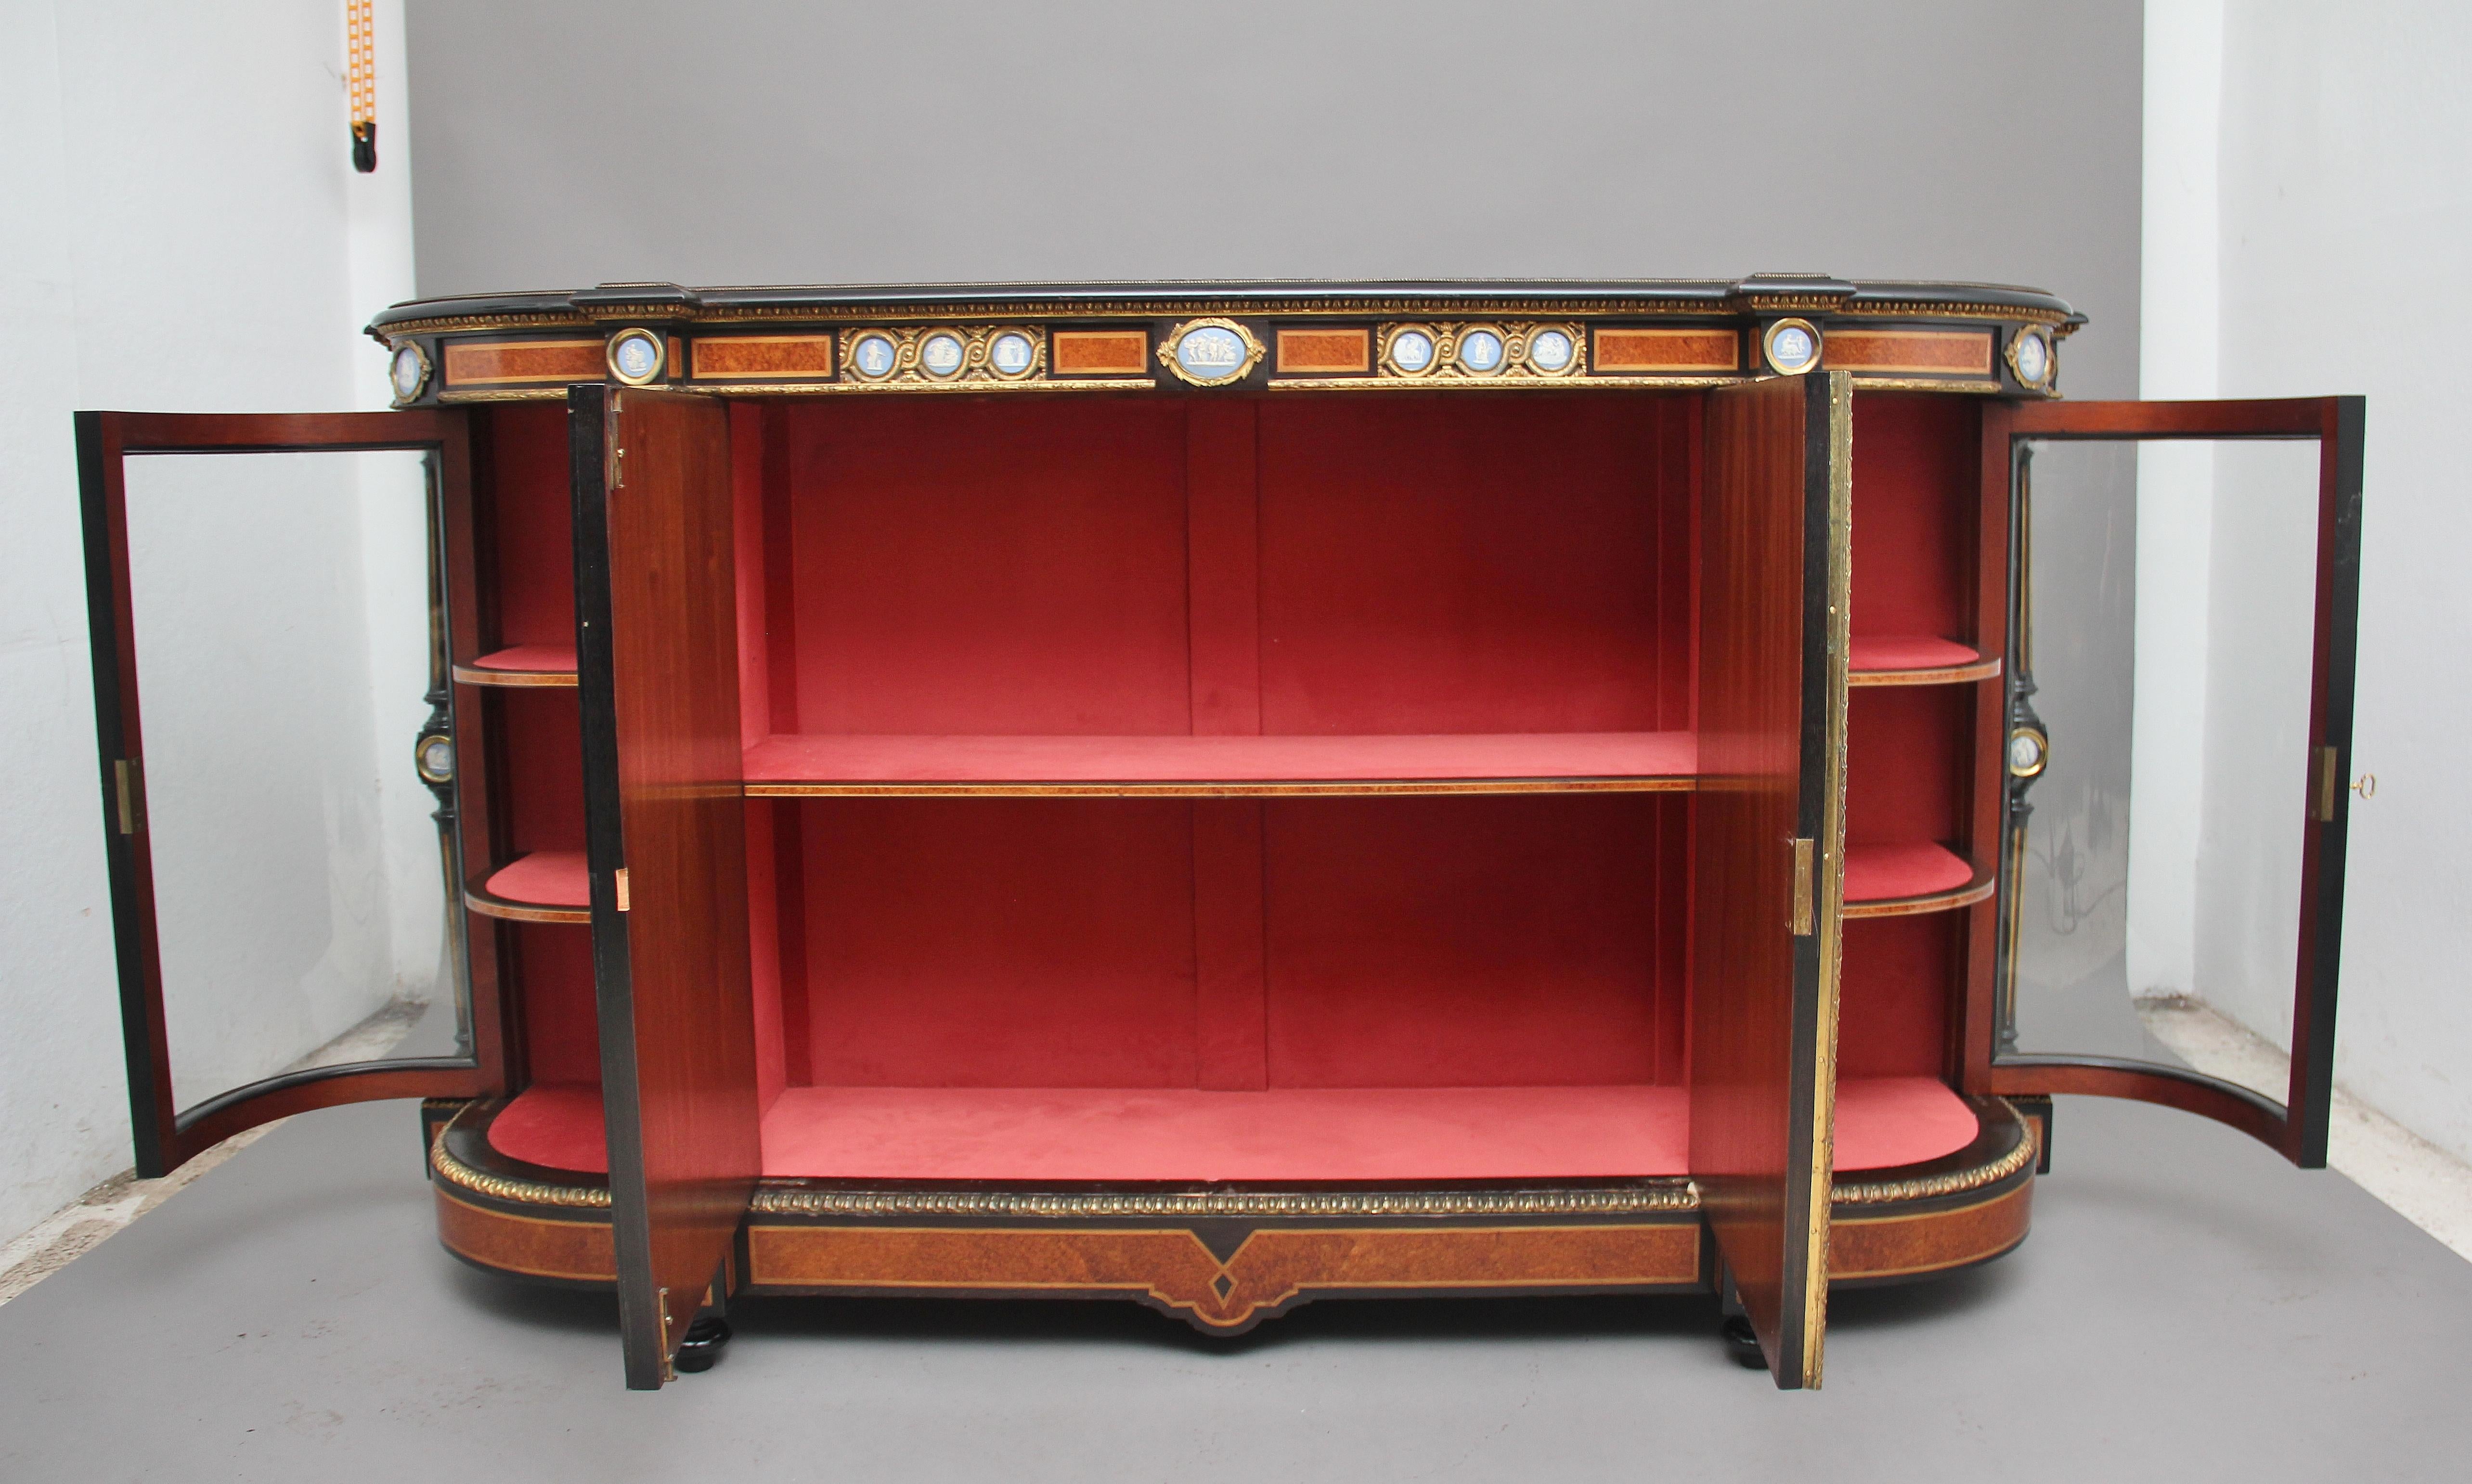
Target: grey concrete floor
[[2189, 1308]]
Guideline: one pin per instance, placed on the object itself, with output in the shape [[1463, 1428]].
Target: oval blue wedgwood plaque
[[1010, 354], [1551, 350], [1481, 350], [407, 373], [872, 355], [639, 355], [1210, 353], [1791, 348], [941, 354], [1411, 350], [2033, 358]]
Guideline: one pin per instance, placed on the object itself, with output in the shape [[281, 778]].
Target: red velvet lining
[[1171, 758], [988, 565], [1899, 974], [541, 657], [1352, 1134], [1457, 942], [553, 962], [1394, 588], [540, 740], [530, 504], [1470, 564], [1916, 485], [545, 878], [1907, 651], [1907, 765], [1879, 873], [999, 942], [1502, 939]]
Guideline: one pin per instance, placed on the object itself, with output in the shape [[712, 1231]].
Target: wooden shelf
[[816, 766], [1183, 1135], [1899, 881], [545, 886], [525, 665], [1915, 659]]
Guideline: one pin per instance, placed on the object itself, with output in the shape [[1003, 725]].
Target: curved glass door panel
[[2185, 579], [277, 746]]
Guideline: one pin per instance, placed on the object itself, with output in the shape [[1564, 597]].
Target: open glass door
[[2218, 895], [657, 665], [282, 825], [1769, 836]]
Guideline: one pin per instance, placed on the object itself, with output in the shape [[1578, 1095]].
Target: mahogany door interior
[[269, 862], [657, 671], [2265, 858], [1769, 831]]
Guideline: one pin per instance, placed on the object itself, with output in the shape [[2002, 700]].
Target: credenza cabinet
[[1230, 795]]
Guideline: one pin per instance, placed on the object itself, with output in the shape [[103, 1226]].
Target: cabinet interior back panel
[[1475, 564], [1916, 472], [1235, 943], [988, 566], [528, 573]]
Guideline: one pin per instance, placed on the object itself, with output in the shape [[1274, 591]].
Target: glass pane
[[2171, 588], [282, 626]]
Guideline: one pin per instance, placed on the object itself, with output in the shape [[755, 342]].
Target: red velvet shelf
[[1915, 659], [1892, 881], [524, 665], [1284, 1134], [547, 886], [1506, 763]]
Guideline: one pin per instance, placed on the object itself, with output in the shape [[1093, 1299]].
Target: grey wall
[[561, 143]]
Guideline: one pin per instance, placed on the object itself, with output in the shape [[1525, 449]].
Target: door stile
[[1988, 803], [2298, 1127], [2333, 685], [1827, 548], [166, 1136], [119, 742]]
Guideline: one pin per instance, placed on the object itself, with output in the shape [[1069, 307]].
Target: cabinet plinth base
[[1225, 1259]]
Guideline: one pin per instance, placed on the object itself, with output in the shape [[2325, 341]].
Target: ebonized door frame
[[165, 1135], [2297, 1126]]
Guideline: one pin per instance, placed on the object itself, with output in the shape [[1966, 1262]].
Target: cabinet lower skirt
[[1224, 1260]]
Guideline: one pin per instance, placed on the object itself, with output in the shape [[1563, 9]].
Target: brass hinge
[[128, 789], [2329, 783], [1803, 854], [621, 888], [617, 453], [668, 1371]]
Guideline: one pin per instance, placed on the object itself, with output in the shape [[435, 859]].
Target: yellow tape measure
[[357, 34]]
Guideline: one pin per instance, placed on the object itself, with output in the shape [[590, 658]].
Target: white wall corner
[[2180, 285]]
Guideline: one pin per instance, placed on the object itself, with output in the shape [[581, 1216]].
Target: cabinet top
[[1293, 334], [1625, 297]]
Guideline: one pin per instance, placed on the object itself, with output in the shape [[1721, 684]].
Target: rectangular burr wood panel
[[658, 671], [1701, 348], [763, 357], [1100, 352], [522, 363], [1913, 352], [1771, 736], [1325, 351], [1171, 1268], [567, 1251]]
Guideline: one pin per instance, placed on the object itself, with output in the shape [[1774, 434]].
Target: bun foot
[[702, 1344], [1741, 1343]]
